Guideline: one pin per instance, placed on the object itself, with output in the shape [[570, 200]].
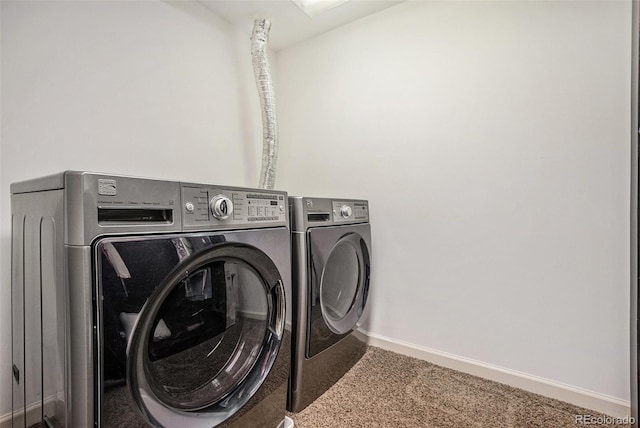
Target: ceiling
[[289, 24]]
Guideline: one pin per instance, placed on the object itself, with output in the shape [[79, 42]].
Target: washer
[[331, 262], [139, 301]]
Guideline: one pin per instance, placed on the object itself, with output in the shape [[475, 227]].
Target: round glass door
[[344, 283], [208, 335]]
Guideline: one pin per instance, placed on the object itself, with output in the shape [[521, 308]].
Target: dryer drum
[[344, 283]]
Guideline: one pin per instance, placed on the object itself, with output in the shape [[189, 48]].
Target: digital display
[[261, 196]]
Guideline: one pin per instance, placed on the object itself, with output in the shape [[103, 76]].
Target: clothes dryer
[[331, 268], [139, 301]]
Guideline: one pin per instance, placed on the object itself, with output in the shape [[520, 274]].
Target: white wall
[[139, 88], [492, 140]]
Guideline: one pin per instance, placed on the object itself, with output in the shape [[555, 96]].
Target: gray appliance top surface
[[108, 204], [59, 181], [49, 182], [307, 212]]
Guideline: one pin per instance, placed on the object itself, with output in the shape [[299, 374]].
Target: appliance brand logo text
[[106, 187]]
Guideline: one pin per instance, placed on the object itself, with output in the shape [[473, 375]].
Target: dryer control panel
[[204, 205], [348, 211]]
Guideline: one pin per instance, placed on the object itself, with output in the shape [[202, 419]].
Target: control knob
[[346, 211], [221, 207]]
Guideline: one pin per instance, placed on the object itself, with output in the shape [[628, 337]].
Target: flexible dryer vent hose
[[262, 72]]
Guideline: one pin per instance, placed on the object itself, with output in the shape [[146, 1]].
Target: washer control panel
[[202, 206], [348, 211]]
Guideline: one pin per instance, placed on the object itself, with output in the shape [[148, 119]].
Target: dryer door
[[340, 272], [207, 335]]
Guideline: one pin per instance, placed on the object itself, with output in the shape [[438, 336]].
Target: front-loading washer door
[[206, 334], [340, 263]]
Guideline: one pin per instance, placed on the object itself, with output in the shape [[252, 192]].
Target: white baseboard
[[33, 413], [5, 421], [602, 403]]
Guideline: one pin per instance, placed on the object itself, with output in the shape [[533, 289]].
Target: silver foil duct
[[262, 72]]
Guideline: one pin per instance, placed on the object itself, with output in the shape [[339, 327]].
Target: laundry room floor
[[385, 389]]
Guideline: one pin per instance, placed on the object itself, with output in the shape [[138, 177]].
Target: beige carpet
[[385, 389]]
